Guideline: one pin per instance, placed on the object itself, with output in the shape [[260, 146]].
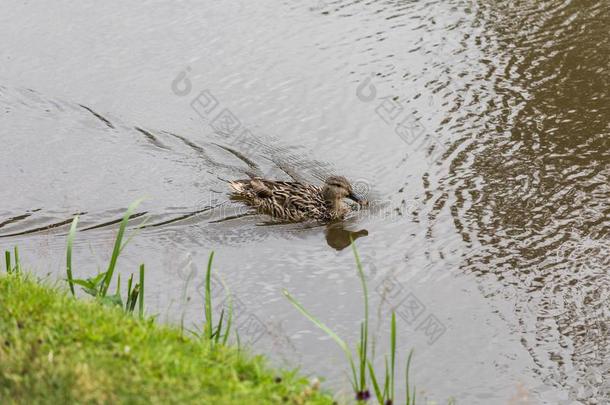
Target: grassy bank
[[56, 349]]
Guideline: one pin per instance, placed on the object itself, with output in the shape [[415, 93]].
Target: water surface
[[481, 131]]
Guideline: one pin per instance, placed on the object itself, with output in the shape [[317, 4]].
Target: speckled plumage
[[294, 201]]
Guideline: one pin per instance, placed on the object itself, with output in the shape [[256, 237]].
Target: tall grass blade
[[378, 394], [219, 327], [229, 319], [133, 298], [118, 246], [362, 357], [141, 293], [7, 260], [208, 298], [365, 329], [329, 332], [136, 231], [71, 234], [392, 354], [129, 283], [118, 286], [238, 342], [386, 385], [407, 380], [17, 268]]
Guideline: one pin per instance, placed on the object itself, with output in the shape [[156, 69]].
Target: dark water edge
[[532, 190]]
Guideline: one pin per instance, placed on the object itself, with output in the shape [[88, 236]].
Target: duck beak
[[361, 201]]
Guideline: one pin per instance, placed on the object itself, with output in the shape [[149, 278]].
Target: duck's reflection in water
[[339, 238]]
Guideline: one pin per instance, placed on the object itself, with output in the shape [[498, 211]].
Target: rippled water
[[481, 130]]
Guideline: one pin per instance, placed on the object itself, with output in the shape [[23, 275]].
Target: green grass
[[89, 355], [359, 380], [55, 349], [215, 333], [10, 269], [98, 286]]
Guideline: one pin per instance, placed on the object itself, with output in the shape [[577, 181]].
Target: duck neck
[[334, 205]]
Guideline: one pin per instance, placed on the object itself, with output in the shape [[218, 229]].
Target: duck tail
[[237, 185]]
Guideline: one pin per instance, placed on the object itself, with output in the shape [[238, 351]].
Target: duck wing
[[295, 196], [292, 200]]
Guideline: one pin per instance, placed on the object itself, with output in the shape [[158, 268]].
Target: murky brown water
[[481, 130]]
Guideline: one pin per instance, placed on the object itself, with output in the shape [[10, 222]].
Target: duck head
[[337, 188]]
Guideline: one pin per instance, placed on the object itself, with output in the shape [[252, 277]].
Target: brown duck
[[295, 201]]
